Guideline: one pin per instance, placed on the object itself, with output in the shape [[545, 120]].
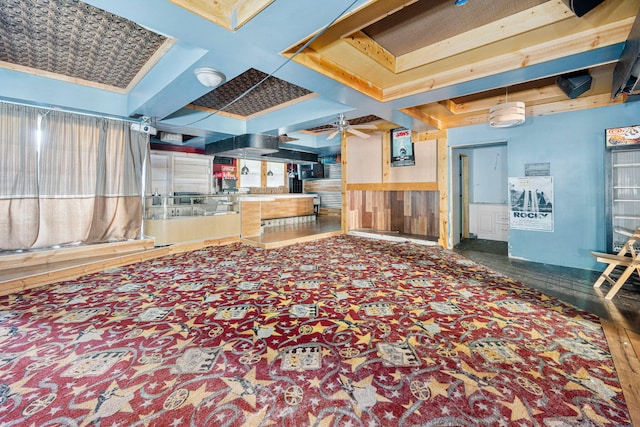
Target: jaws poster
[[531, 203]]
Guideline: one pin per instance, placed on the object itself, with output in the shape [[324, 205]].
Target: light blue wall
[[488, 171], [573, 143]]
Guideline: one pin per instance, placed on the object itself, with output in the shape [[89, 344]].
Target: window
[[250, 173], [275, 174]]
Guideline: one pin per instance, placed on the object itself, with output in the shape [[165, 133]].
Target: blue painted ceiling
[[165, 91]]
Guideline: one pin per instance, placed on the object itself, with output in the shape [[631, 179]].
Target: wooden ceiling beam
[[451, 106], [312, 59], [583, 41], [373, 50], [428, 136], [519, 23], [421, 115], [563, 106], [477, 118], [580, 103], [538, 94], [229, 14]]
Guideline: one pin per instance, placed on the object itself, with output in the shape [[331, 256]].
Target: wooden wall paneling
[[397, 199], [330, 193], [380, 216], [382, 211], [352, 209], [423, 225], [368, 200], [416, 210], [366, 209], [410, 212], [322, 185]]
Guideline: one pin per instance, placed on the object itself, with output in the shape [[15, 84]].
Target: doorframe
[[455, 199], [463, 175]]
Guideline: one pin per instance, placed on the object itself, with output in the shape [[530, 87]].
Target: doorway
[[480, 193]]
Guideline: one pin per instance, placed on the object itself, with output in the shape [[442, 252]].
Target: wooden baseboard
[[52, 256], [50, 273]]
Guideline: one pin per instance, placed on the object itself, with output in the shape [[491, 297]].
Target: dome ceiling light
[[209, 77]]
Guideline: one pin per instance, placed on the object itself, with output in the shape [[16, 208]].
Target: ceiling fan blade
[[357, 132], [334, 133], [364, 127]]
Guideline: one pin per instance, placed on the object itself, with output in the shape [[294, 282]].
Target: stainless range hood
[[292, 156], [258, 147], [247, 146]]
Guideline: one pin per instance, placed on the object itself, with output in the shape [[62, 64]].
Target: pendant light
[[507, 114]]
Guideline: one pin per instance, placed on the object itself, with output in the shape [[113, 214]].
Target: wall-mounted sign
[[617, 137], [402, 148], [531, 203], [537, 169]]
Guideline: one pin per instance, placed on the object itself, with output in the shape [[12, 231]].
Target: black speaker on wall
[[580, 7], [574, 84]]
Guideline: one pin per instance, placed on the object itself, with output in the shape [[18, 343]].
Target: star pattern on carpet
[[344, 331]]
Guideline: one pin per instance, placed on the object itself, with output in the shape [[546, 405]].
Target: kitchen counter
[[271, 197], [257, 207], [169, 223], [186, 228]]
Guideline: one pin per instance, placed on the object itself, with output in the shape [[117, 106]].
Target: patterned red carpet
[[344, 331]]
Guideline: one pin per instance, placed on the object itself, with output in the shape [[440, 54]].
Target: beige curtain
[[88, 179], [19, 209]]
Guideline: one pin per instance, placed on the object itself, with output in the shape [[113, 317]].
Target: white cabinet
[[489, 221]]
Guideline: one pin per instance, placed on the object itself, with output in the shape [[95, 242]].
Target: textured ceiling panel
[[426, 22], [270, 93], [74, 39]]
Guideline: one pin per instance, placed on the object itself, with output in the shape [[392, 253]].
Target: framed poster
[[617, 137], [402, 148], [531, 203]]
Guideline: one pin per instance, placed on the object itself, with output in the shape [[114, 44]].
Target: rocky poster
[[531, 203]]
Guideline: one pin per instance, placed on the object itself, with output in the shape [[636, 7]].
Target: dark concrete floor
[[570, 285]]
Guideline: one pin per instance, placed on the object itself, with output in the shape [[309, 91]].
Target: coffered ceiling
[[294, 66]]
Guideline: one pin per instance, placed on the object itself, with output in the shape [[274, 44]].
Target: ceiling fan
[[342, 125]]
